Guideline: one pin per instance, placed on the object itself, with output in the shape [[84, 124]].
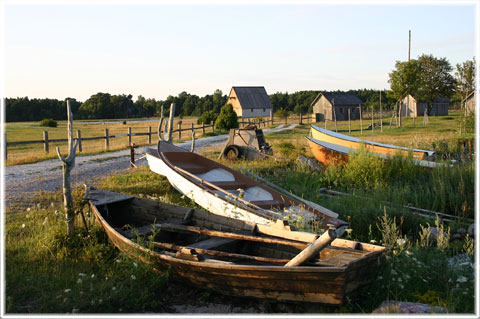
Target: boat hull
[[323, 284], [327, 156], [374, 147]]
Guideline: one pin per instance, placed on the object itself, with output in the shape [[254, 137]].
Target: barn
[[410, 107], [250, 101], [328, 105], [469, 103]]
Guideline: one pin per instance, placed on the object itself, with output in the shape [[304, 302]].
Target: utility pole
[[409, 42]]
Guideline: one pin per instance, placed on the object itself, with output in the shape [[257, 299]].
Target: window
[[263, 109], [341, 109], [251, 110]]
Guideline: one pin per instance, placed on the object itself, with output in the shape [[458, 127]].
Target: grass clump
[[48, 123]]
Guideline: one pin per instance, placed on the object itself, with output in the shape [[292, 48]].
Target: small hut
[[327, 106], [410, 107], [250, 101]]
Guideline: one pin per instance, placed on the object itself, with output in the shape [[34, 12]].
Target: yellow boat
[[331, 137]]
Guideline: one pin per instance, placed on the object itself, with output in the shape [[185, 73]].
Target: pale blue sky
[[156, 50]]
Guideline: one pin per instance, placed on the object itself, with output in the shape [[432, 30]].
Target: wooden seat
[[229, 184], [269, 203], [212, 243]]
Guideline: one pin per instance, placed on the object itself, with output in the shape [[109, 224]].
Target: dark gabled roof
[[339, 98], [435, 100], [252, 97]]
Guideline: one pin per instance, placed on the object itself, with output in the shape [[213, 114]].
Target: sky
[[156, 49]]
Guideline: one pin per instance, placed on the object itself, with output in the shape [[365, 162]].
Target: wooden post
[[335, 115], [300, 119], [308, 253], [193, 130], [45, 141], [149, 135], [399, 114], [107, 139], [373, 126], [5, 144], [349, 122], [180, 129], [68, 165], [381, 113], [203, 128], [79, 139], [129, 136], [361, 115]]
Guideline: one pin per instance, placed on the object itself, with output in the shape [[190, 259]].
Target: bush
[[48, 123], [207, 117], [227, 118]]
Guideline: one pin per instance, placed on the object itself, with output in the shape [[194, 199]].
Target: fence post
[[335, 117], [5, 144], [180, 130], [79, 138], [203, 128], [193, 130], [349, 122], [361, 115], [45, 141], [372, 122], [301, 119], [149, 135], [107, 140], [129, 136]]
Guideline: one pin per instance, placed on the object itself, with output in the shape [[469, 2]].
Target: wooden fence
[[46, 141]]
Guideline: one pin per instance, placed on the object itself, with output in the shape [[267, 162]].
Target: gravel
[[22, 182]]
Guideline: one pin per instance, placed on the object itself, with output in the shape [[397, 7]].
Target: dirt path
[[24, 181]]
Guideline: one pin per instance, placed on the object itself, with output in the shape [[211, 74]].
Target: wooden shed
[[469, 103], [410, 107], [250, 101], [336, 104]]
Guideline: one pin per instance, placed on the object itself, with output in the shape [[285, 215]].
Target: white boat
[[224, 191]]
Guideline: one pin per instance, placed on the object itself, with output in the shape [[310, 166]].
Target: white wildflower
[[135, 264], [394, 273], [462, 279], [28, 209], [75, 310], [100, 300], [79, 281], [52, 204], [373, 241], [45, 221], [67, 290], [113, 288], [82, 274], [133, 277], [401, 286], [401, 241], [424, 280], [23, 225], [399, 279], [93, 276]]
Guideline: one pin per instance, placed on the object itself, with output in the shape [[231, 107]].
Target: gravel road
[[24, 181]]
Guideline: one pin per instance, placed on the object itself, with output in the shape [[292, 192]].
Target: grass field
[[46, 272]]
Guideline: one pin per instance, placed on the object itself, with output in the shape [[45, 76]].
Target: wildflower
[[82, 274], [93, 276], [23, 225], [424, 280], [373, 241], [67, 290], [56, 212], [349, 231], [106, 277], [380, 277], [27, 216], [100, 300], [79, 281], [118, 260], [408, 252], [28, 209], [401, 286], [45, 221], [133, 277], [59, 296], [75, 310], [51, 204], [401, 241], [462, 279], [113, 288], [65, 299], [399, 279], [394, 273], [135, 264]]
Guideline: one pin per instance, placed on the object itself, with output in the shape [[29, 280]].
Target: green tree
[[207, 117], [425, 78], [465, 77], [227, 118]]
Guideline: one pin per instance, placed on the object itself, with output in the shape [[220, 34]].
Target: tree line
[[426, 78]]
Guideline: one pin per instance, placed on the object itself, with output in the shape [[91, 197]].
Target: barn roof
[[339, 98], [252, 97]]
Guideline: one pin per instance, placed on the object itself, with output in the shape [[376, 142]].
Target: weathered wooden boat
[[224, 191], [328, 153], [331, 137], [231, 256]]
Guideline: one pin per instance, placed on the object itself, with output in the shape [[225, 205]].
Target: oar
[[313, 249]]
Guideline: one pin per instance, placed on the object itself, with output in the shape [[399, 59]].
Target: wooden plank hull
[[374, 147], [222, 203], [311, 283]]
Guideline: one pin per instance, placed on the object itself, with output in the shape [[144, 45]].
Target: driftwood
[[68, 165], [308, 253]]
